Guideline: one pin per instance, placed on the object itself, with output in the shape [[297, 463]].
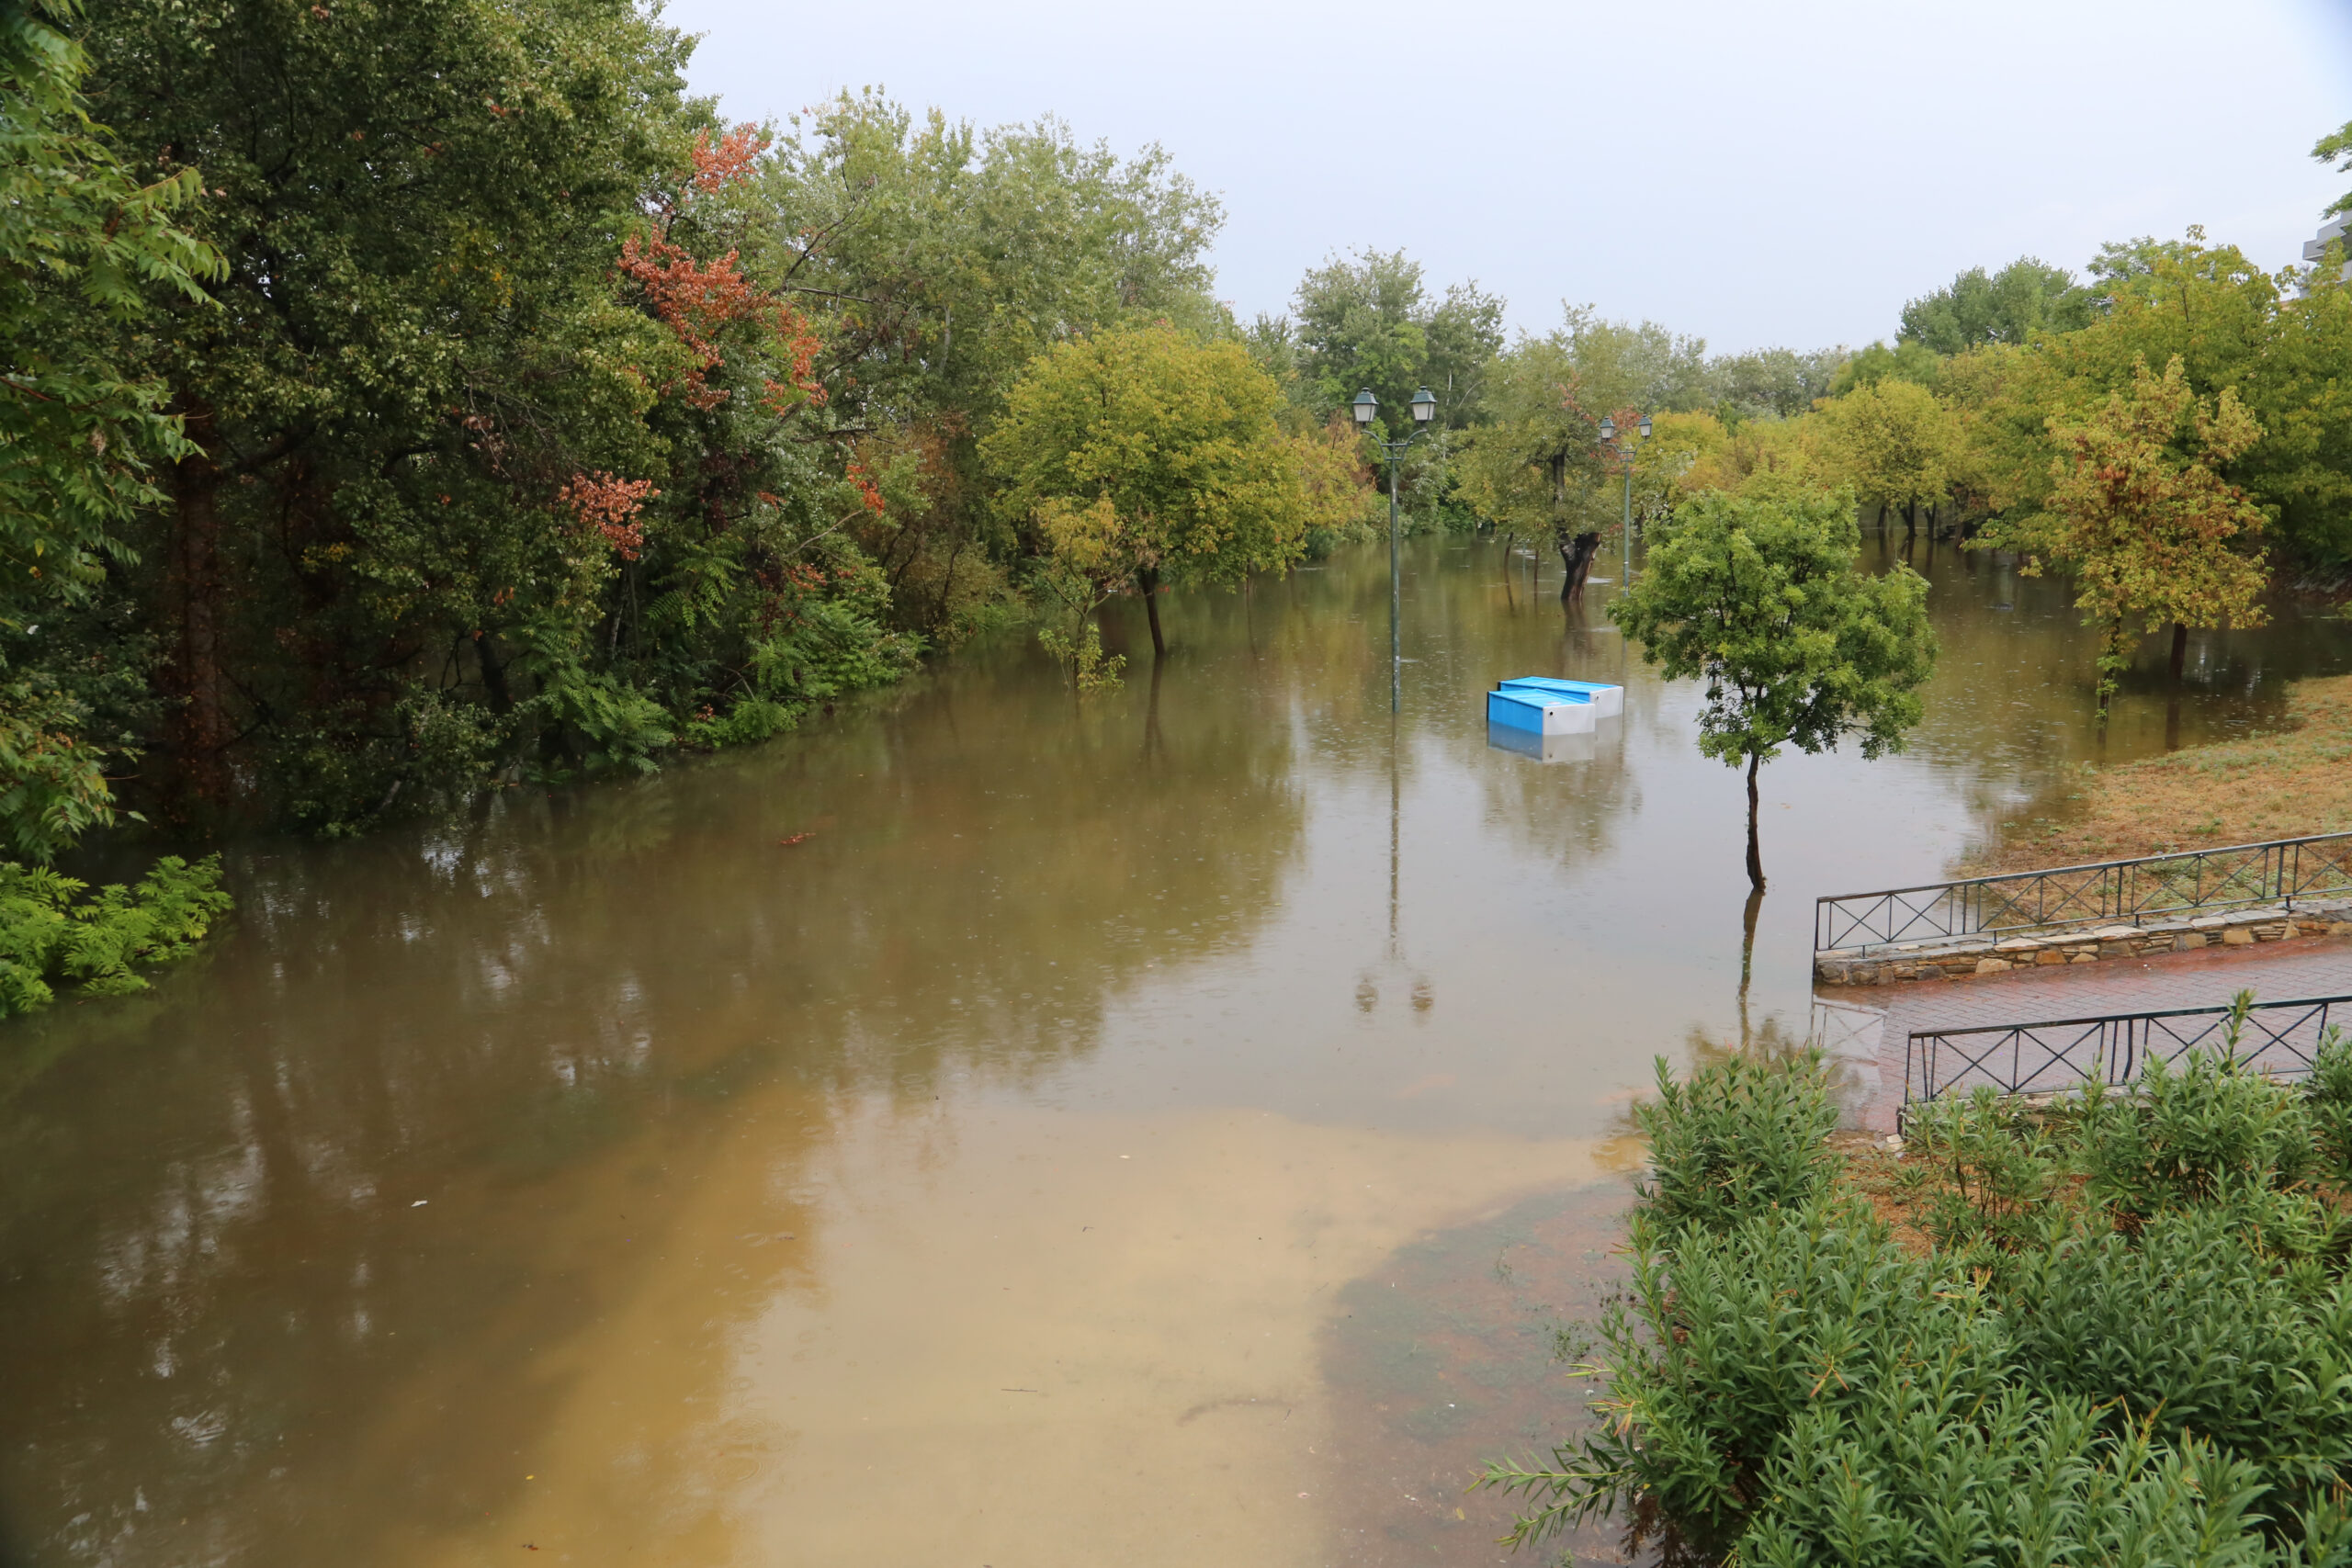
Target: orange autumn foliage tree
[[699, 300]]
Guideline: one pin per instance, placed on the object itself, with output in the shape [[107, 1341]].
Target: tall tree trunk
[[1755, 856], [1577, 553], [1910, 519], [2180, 650], [1147, 579], [200, 727]]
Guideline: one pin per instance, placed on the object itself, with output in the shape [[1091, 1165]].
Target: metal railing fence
[[2279, 1038], [2116, 892]]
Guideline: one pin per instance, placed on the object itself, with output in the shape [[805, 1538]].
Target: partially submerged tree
[[1180, 439], [1534, 472], [1892, 441], [1084, 557], [1756, 595], [2141, 518]]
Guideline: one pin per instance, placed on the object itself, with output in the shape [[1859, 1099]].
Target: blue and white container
[[1609, 700], [1536, 711]]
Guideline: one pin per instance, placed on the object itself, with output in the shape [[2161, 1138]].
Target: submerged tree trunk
[[1755, 856], [1147, 579], [1576, 560], [2180, 650]]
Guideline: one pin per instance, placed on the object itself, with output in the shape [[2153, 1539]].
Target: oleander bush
[[2114, 1328]]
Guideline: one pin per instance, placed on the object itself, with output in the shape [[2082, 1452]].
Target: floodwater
[[1179, 1126]]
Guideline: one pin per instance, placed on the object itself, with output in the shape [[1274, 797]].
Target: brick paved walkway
[[2276, 972]]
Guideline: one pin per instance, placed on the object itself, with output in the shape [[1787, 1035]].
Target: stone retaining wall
[[1961, 957]]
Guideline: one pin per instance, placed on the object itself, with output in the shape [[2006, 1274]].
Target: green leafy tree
[[419, 344], [2026, 297], [1893, 441], [2276, 341], [86, 248], [1637, 364], [1908, 360], [2335, 148], [1756, 595], [1537, 470], [2149, 532], [936, 261], [1368, 321], [1769, 383], [1180, 439]]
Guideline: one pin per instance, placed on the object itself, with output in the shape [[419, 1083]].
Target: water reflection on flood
[[990, 1174]]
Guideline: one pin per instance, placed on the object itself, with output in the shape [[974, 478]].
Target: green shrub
[[2126, 1339], [2211, 1130], [2191, 1326], [1738, 1140], [1999, 1171], [748, 722], [52, 934], [2327, 1096]]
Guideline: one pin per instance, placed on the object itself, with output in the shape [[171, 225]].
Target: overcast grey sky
[[1756, 172]]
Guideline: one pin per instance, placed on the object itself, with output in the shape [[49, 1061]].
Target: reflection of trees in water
[[539, 1019], [2011, 700], [2016, 671]]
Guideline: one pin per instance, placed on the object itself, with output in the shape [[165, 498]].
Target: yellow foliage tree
[[1893, 441], [1178, 438], [2140, 516]]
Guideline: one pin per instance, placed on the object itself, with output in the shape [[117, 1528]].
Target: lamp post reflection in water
[[1367, 992], [1424, 406]]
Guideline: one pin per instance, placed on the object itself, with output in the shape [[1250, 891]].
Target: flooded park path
[[1166, 1128]]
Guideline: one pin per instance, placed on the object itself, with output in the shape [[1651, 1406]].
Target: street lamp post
[[1424, 407], [1625, 460]]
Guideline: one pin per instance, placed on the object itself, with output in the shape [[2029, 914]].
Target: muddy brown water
[[1168, 1128]]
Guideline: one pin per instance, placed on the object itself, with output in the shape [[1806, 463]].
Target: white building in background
[[2313, 250]]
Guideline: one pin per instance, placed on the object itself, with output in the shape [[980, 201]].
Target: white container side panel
[[1570, 719]]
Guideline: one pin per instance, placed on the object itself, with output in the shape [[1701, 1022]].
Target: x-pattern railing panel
[[2279, 1038], [2323, 867], [2151, 887]]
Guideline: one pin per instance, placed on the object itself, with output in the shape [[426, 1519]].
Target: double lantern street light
[[1625, 461], [1424, 407]]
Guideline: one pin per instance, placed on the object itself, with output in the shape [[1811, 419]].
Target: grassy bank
[[2116, 1331], [2283, 784]]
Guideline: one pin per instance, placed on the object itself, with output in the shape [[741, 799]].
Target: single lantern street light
[[1424, 407]]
